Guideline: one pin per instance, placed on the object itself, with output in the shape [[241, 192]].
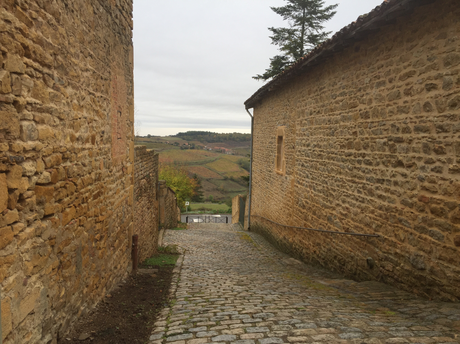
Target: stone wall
[[169, 212], [372, 145], [236, 209], [66, 161], [146, 219]]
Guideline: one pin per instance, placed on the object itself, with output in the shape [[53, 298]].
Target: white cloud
[[194, 59]]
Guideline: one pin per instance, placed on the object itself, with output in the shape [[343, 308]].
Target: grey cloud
[[194, 59]]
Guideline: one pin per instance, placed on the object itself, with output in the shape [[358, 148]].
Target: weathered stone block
[[14, 177], [457, 240], [26, 306], [6, 236], [6, 319], [44, 178], [29, 168], [40, 166], [53, 160], [29, 131], [24, 185], [13, 198], [15, 64], [3, 192], [68, 215], [17, 85], [5, 82], [45, 133], [44, 193], [10, 122]]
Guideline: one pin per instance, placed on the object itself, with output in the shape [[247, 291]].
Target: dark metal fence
[[206, 219]]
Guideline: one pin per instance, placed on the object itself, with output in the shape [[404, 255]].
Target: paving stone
[[323, 337], [234, 287], [158, 341], [252, 336], [224, 338], [206, 334], [198, 329], [272, 340], [251, 320], [257, 329], [156, 336], [297, 339], [197, 341], [179, 337]]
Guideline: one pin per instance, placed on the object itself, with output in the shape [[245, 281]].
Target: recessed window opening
[[280, 164]]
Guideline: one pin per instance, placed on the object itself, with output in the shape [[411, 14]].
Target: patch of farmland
[[223, 165], [236, 174], [230, 185], [233, 158], [187, 155], [210, 189], [204, 172]]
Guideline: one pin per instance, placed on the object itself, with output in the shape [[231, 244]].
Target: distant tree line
[[207, 136]]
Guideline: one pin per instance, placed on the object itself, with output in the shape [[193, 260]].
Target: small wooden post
[[135, 252]]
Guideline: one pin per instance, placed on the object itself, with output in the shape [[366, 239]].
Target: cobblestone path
[[233, 287]]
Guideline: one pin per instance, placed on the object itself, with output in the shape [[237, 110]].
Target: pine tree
[[305, 18]]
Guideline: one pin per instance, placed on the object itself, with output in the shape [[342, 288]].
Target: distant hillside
[[222, 175], [210, 137]]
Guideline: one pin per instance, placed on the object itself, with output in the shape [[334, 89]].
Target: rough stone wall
[[371, 146], [66, 160], [236, 209], [146, 220], [169, 212]]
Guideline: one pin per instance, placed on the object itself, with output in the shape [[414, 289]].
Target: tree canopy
[[305, 31], [177, 179]]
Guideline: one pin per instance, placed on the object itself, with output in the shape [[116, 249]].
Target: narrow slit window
[[280, 165]]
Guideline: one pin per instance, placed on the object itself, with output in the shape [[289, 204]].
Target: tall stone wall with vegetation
[[66, 161], [146, 216], [371, 145]]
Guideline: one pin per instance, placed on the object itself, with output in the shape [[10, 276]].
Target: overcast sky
[[194, 60]]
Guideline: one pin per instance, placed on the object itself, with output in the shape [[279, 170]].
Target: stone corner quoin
[[371, 145]]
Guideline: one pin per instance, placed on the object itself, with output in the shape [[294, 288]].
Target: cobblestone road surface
[[232, 286]]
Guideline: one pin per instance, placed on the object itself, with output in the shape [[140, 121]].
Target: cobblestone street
[[231, 286]]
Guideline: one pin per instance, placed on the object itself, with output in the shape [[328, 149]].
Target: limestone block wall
[[236, 209], [372, 145], [169, 212], [146, 217], [66, 161]]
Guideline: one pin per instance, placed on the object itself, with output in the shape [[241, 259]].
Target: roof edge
[[365, 22]]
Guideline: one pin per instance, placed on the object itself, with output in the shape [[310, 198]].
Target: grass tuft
[[170, 249]]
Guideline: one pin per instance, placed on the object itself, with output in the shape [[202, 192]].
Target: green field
[[208, 207]]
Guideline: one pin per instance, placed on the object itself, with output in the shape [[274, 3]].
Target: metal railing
[[206, 219]]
